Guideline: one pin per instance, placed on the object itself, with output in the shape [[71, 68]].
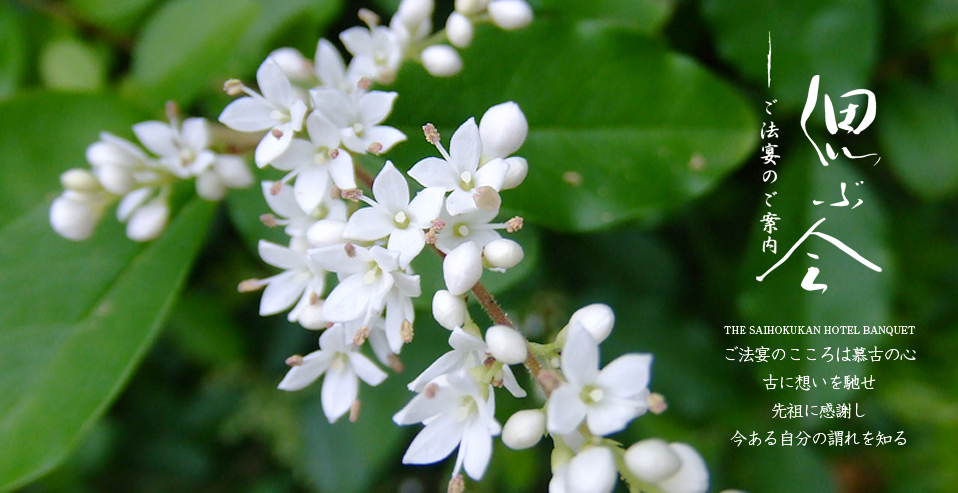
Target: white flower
[[313, 162], [370, 280], [692, 476], [448, 309], [393, 215], [468, 351], [502, 254], [609, 399], [474, 226], [297, 222], [462, 268], [343, 365], [302, 280], [455, 413], [358, 119], [277, 109], [459, 172], [376, 47], [118, 163], [590, 471], [333, 73]]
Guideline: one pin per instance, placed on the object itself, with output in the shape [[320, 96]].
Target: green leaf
[[837, 40], [620, 129], [284, 20], [68, 64], [918, 128], [855, 295], [187, 46], [643, 16], [86, 314], [13, 51], [119, 15], [43, 135], [780, 468]]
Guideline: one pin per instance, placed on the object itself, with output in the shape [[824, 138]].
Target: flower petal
[[390, 189], [195, 134], [280, 256], [329, 64], [435, 442], [435, 172], [476, 447], [273, 84], [460, 201], [408, 242], [314, 364], [366, 370], [580, 357], [282, 292], [248, 114], [157, 137], [426, 206], [311, 186], [340, 388], [492, 174], [466, 147], [626, 376], [564, 410], [374, 106], [271, 147], [341, 170], [368, 224], [348, 301], [613, 414]]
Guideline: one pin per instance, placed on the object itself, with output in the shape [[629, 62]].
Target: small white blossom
[[376, 47], [609, 399], [692, 476], [343, 365], [468, 351], [395, 216], [299, 223], [456, 414], [506, 344], [278, 110], [592, 470], [503, 129], [459, 171], [462, 268], [302, 280], [474, 226], [358, 119], [502, 254], [333, 73], [448, 309]]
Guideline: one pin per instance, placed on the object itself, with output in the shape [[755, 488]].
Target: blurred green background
[[128, 367]]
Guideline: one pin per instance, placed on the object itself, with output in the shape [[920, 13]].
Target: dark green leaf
[[119, 15], [13, 51], [619, 127], [919, 132], [75, 338], [68, 64], [644, 16], [837, 40], [186, 46], [856, 295]]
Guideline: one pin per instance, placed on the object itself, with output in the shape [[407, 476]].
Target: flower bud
[[502, 254], [462, 268], [234, 171], [79, 180], [310, 315], [503, 129], [459, 30], [470, 7], [510, 14], [441, 60], [326, 232], [524, 429], [413, 13], [652, 460], [506, 344], [448, 309], [116, 179], [518, 167], [597, 318], [210, 186], [148, 221], [692, 476], [592, 471], [73, 218], [292, 63], [104, 153]]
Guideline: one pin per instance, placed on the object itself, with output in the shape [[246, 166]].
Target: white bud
[[234, 171], [510, 14], [506, 344], [292, 63], [597, 318], [502, 253], [592, 471], [104, 153], [459, 30], [462, 268], [79, 180], [503, 129], [470, 7], [73, 218], [731, 491], [692, 476], [326, 232], [210, 186], [441, 60], [652, 460], [148, 221], [448, 309], [116, 179], [518, 168], [413, 13], [524, 429], [310, 316]]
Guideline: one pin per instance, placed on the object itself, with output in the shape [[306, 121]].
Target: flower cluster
[[141, 180]]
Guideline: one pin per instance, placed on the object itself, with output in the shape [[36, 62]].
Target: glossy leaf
[[74, 340], [911, 117], [619, 129], [837, 40], [855, 294]]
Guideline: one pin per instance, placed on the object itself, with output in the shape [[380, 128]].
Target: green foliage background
[[128, 367]]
